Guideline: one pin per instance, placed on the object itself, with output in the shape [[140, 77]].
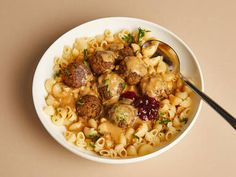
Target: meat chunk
[[122, 114], [102, 61], [155, 86], [110, 86], [76, 74], [89, 106], [125, 52], [132, 69]]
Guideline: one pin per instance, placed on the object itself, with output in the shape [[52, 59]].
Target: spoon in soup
[[171, 58]]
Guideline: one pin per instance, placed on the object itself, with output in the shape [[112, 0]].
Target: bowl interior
[[189, 68]]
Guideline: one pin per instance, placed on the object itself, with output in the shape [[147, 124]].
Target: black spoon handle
[[229, 118]]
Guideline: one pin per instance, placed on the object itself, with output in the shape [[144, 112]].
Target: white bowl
[[189, 68]]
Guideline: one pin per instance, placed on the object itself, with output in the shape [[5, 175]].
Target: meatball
[[122, 114], [76, 74], [88, 106], [102, 61], [133, 69], [110, 86], [155, 86], [121, 51], [125, 52]]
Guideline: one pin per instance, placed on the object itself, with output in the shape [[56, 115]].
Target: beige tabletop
[[27, 28]]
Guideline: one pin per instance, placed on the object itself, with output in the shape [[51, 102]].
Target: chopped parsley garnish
[[121, 117], [161, 114], [57, 74], [67, 72], [92, 144], [141, 34], [86, 63], [80, 103], [128, 38], [108, 91], [86, 57], [164, 121], [123, 85], [94, 137], [105, 81], [185, 120], [85, 54], [135, 136], [110, 94]]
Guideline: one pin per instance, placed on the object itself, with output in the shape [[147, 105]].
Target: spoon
[[171, 58]]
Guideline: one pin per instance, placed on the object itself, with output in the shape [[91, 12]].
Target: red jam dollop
[[129, 95], [147, 106]]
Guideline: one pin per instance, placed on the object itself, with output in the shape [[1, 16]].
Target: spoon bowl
[[170, 57]]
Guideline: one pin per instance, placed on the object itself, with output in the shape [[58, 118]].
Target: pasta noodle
[[76, 126], [141, 131], [145, 149], [49, 83], [80, 140], [90, 132], [92, 123], [131, 151], [122, 139], [70, 136], [121, 151], [49, 110], [99, 145]]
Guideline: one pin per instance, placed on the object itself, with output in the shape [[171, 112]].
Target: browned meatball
[[125, 52], [155, 86], [133, 78], [110, 86], [122, 114], [88, 106], [76, 74], [132, 69], [102, 61]]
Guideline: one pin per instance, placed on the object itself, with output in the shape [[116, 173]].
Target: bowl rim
[[134, 159]]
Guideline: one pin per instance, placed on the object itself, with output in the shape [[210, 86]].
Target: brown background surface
[[27, 28]]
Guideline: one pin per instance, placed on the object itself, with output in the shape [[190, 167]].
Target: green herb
[[86, 57], [94, 137], [86, 63], [141, 34], [135, 136], [105, 81], [185, 120], [161, 114], [123, 85], [128, 38], [67, 72], [121, 117], [57, 74], [136, 52], [92, 144], [164, 121], [80, 103], [109, 92], [85, 54]]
